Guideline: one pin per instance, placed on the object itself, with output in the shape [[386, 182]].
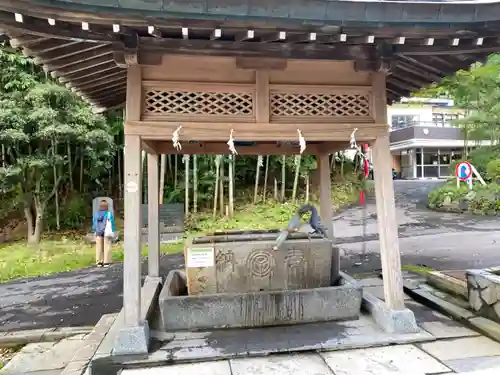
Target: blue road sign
[[463, 171]]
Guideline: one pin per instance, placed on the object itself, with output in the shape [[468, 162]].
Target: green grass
[[55, 255], [417, 269], [6, 354], [66, 252]]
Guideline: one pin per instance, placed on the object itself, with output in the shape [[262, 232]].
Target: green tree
[[35, 126], [477, 91]]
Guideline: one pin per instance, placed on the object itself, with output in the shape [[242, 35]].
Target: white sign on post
[[200, 257]]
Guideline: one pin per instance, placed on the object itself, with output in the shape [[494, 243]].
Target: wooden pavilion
[[259, 69]]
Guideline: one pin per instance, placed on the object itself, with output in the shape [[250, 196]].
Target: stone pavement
[[443, 346], [44, 358], [441, 357]]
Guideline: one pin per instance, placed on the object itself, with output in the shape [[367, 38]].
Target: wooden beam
[[411, 79], [420, 64], [106, 67], [262, 111], [260, 63], [396, 90], [253, 49], [444, 51], [100, 81], [110, 87], [379, 65], [90, 64], [221, 148], [65, 59], [40, 27], [150, 147], [122, 58], [203, 131], [331, 147], [409, 68], [134, 93], [28, 42], [107, 71], [104, 96], [394, 93], [401, 84], [50, 45]]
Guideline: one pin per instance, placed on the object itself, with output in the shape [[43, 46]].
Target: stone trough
[[246, 284], [179, 311], [484, 292]]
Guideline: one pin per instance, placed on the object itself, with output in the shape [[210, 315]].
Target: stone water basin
[[179, 311], [248, 284]]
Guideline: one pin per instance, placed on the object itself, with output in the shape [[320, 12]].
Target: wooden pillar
[[153, 217], [326, 207], [132, 204], [386, 210], [132, 231]]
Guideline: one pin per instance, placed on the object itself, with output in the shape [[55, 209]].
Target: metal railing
[[428, 124]]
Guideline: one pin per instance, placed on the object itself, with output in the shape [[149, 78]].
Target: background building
[[423, 138]]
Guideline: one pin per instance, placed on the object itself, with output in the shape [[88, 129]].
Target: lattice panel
[[320, 105], [198, 103]]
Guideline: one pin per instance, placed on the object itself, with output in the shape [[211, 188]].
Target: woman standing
[[103, 225]]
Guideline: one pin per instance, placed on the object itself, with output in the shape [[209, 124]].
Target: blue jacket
[[96, 224]]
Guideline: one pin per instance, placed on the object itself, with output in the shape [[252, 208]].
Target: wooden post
[[153, 217], [326, 207], [132, 204], [387, 224], [132, 231], [386, 210]]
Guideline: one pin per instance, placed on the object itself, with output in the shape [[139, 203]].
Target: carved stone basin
[[242, 282], [246, 262]]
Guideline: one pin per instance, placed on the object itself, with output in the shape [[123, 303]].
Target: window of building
[[403, 121], [435, 162], [431, 171], [419, 156], [431, 156], [444, 119]]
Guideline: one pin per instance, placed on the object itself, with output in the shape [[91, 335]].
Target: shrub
[[482, 200], [493, 170], [481, 156], [75, 213], [437, 197]]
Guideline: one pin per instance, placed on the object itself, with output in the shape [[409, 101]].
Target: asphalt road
[[441, 241]]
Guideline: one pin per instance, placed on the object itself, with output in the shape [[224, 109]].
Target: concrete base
[[254, 309], [395, 321], [391, 321], [132, 340]]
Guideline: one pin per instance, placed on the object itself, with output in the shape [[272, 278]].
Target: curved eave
[[77, 46], [340, 12]]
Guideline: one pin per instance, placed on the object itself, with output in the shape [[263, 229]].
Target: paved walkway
[[441, 357], [442, 241], [443, 346]]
